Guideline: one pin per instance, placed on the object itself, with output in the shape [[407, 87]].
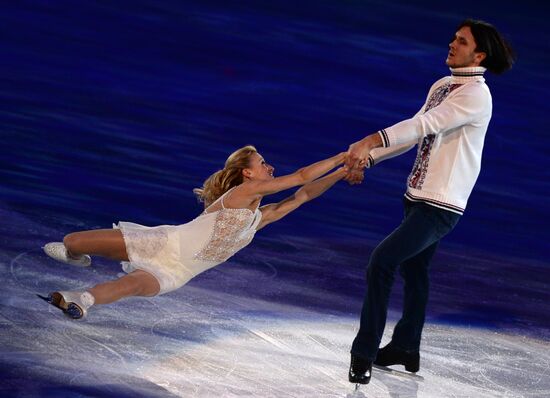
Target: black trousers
[[409, 247]]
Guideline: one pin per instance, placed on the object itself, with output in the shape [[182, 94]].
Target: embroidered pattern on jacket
[[420, 168]]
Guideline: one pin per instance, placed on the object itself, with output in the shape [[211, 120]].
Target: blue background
[[116, 110]]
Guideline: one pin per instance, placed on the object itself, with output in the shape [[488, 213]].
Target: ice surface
[[207, 342]]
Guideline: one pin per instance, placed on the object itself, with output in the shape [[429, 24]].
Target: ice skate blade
[[359, 380], [398, 373], [71, 310], [46, 299]]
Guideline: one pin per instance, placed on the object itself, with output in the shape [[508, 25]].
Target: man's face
[[461, 50]]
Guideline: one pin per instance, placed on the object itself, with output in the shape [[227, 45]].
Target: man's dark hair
[[500, 54]]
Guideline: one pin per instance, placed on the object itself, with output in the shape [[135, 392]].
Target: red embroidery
[[420, 168]]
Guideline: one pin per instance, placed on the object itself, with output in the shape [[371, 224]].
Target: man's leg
[[421, 228], [415, 273], [404, 349]]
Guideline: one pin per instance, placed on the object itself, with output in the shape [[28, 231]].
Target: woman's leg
[[101, 242], [136, 283]]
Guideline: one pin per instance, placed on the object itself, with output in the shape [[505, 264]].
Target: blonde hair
[[223, 180]]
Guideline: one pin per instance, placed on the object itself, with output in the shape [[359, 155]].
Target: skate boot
[[58, 251], [390, 355], [73, 304], [359, 370]]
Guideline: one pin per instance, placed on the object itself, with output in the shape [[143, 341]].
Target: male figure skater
[[449, 131]]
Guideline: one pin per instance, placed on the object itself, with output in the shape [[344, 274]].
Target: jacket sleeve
[[462, 107], [378, 155]]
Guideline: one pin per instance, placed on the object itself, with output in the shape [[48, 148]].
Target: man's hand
[[356, 158], [357, 154]]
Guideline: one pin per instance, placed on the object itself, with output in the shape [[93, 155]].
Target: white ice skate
[[73, 304], [58, 251]]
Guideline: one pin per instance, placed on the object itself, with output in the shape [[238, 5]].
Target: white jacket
[[449, 131]]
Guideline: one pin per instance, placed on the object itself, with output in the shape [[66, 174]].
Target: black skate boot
[[359, 370], [390, 355]]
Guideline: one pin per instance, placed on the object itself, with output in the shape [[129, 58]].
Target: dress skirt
[[158, 251]]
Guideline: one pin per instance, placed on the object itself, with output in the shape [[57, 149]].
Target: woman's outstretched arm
[[299, 177], [275, 211]]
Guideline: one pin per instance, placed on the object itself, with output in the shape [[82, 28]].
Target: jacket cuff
[[385, 138]]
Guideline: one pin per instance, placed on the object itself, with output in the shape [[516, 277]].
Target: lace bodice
[[233, 229]]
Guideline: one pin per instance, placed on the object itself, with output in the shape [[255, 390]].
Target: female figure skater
[[161, 259]]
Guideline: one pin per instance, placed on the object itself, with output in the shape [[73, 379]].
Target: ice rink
[[261, 325]]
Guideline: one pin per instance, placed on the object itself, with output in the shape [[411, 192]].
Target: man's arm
[[357, 157], [466, 106], [358, 152], [378, 155]]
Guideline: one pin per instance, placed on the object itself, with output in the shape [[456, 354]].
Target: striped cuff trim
[[385, 139], [370, 162]]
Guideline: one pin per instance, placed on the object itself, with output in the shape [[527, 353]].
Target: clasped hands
[[356, 160]]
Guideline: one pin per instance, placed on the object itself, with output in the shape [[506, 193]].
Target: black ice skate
[[390, 355], [359, 370]]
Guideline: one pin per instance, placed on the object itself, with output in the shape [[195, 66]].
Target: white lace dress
[[176, 253]]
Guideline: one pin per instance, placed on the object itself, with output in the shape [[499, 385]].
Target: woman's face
[[258, 169]]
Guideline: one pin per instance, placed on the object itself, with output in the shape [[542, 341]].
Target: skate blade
[[56, 300], [71, 310], [399, 373], [46, 299]]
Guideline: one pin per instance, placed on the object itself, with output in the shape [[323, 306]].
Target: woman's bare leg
[[136, 283], [100, 242]]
